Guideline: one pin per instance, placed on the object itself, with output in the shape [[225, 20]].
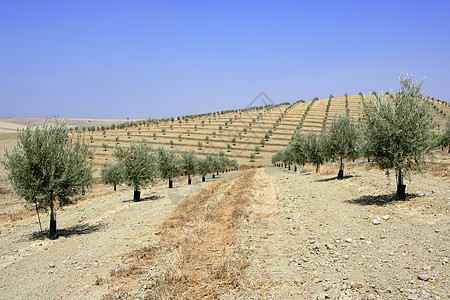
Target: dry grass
[[196, 256]]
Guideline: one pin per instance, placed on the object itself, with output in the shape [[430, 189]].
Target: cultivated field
[[258, 233]]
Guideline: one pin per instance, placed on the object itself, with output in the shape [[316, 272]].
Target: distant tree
[[112, 174], [262, 142], [47, 168], [207, 139], [314, 150], [188, 132], [169, 164], [171, 144], [252, 157], [91, 138], [105, 146], [154, 135], [257, 148], [266, 136], [179, 137], [443, 139], [117, 139], [220, 128], [203, 167], [233, 140], [189, 165], [398, 130], [240, 134], [163, 131], [228, 147], [343, 140], [195, 127], [138, 164], [200, 144]]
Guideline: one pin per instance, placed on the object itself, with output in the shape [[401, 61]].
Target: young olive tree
[[138, 164], [48, 169], [112, 174], [168, 163], [343, 137], [443, 139], [398, 129], [189, 164], [314, 149], [203, 167]]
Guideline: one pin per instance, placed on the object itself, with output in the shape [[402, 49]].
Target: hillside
[[187, 134]]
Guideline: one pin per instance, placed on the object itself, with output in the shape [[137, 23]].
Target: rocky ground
[[303, 236], [349, 239]]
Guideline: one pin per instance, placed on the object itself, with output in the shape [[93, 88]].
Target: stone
[[424, 295], [375, 222], [51, 265], [412, 297], [386, 217], [423, 277]]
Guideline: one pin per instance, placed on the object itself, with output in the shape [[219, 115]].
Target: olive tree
[[189, 164], [398, 129], [314, 150], [168, 164], [138, 164], [343, 137], [444, 139], [112, 174], [203, 167], [48, 168]]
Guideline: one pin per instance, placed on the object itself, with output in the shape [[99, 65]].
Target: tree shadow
[[148, 198], [335, 178], [80, 229], [380, 200]]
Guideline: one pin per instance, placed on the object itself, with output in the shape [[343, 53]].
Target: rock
[[423, 277], [412, 297], [424, 295], [386, 217], [78, 268], [375, 222], [441, 292], [348, 240], [51, 265]]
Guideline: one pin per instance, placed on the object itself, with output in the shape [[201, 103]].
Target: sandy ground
[[319, 241], [93, 234], [304, 236]]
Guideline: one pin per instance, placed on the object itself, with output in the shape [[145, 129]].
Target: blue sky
[[144, 59]]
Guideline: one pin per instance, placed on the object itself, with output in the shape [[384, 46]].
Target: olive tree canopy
[[48, 167], [398, 129]]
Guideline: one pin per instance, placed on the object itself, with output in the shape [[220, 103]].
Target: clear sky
[[145, 59]]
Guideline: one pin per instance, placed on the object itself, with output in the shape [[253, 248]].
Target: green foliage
[[138, 164], [343, 139], [204, 165], [105, 146], [112, 174], [228, 147], [168, 162], [200, 145], [252, 157], [398, 128], [314, 150], [189, 163], [444, 139], [48, 168]]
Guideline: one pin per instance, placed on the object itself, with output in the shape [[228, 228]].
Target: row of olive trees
[[395, 131], [139, 165], [341, 140]]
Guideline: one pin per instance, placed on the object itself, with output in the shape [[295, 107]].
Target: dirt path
[[318, 240], [93, 235]]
